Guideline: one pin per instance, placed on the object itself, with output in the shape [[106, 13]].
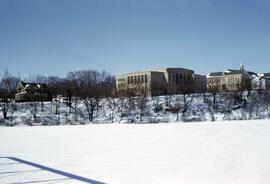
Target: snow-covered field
[[236, 152]]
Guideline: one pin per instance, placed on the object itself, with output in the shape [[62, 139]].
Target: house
[[160, 82], [27, 92], [230, 80], [262, 82]]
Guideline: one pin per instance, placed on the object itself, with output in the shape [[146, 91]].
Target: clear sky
[[52, 37]]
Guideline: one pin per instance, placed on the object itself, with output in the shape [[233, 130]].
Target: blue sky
[[52, 37]]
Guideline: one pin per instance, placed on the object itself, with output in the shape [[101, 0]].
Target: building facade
[[161, 82], [266, 81], [262, 82], [230, 80], [200, 83]]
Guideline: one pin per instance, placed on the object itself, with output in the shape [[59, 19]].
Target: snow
[[235, 152], [197, 110]]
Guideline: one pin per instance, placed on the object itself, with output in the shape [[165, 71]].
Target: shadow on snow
[[45, 168]]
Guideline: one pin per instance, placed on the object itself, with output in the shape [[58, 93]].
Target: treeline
[[92, 94], [89, 86]]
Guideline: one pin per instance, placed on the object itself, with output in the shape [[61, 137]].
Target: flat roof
[[152, 71]]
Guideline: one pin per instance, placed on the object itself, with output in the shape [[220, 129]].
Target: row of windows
[[121, 80], [216, 80], [224, 87], [179, 78], [232, 85], [139, 79], [121, 85], [230, 80], [199, 80]]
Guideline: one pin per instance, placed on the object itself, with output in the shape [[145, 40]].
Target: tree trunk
[[5, 110]]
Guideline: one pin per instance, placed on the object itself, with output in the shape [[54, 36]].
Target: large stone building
[[161, 82], [230, 80]]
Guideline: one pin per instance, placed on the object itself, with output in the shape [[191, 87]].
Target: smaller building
[[262, 82], [29, 92], [230, 80], [266, 81]]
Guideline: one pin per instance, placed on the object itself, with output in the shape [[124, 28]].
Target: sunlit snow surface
[[236, 152]]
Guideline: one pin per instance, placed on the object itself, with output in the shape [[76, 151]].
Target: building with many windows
[[161, 82], [229, 80]]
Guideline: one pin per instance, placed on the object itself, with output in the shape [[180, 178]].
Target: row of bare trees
[[90, 87]]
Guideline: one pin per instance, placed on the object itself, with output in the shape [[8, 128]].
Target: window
[[181, 76], [145, 78], [139, 79], [131, 80], [128, 80], [176, 78], [142, 79], [135, 79]]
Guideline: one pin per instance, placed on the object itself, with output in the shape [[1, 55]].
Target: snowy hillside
[[202, 153], [175, 108]]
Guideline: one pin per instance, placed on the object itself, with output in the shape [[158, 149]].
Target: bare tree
[[227, 105], [91, 89], [214, 89], [55, 86], [141, 103], [72, 89], [178, 107], [113, 105], [127, 94], [211, 110], [8, 86], [256, 104], [158, 89], [13, 109], [244, 85], [126, 98], [108, 86], [36, 78], [168, 100], [33, 106], [266, 101]]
